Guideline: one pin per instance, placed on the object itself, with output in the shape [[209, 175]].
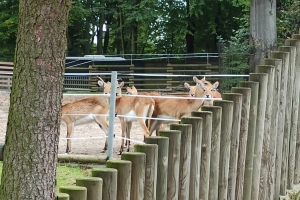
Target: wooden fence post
[[173, 161], [234, 140], [215, 150], [265, 165], [93, 186], [151, 151], [62, 196], [277, 63], [251, 137], [288, 117], [284, 56], [205, 152], [124, 177], [246, 92], [196, 123], [294, 117], [138, 165], [185, 159], [109, 177], [297, 156], [162, 164], [74, 192], [259, 136]]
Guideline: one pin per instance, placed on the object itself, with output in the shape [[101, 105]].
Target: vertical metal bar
[[112, 109]]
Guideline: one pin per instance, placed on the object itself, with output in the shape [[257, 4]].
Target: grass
[[66, 175]]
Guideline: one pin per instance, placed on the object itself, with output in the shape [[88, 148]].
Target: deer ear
[[121, 84], [187, 86], [216, 84], [101, 83], [195, 79]]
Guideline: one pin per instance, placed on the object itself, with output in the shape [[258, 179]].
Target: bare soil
[[88, 145]]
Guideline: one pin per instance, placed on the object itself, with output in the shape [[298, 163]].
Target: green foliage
[[288, 18], [162, 26], [235, 55], [67, 175], [8, 29]]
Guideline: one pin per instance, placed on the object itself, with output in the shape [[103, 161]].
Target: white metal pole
[[112, 114]]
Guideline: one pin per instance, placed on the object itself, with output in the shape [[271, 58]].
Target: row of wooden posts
[[246, 146]]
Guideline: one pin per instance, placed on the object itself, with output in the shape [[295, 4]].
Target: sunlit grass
[[66, 175]]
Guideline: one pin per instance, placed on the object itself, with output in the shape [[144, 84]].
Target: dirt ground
[[88, 145]]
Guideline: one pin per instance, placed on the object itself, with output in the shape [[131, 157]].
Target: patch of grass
[[66, 175]]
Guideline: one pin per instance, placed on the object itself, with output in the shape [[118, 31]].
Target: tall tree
[[263, 33], [31, 143]]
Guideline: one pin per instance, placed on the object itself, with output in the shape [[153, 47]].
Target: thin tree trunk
[[121, 31], [100, 31], [31, 144], [87, 34], [189, 37]]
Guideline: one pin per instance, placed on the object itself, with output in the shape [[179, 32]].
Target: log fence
[[246, 146]]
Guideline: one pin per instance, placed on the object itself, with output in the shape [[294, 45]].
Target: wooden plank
[[5, 81], [5, 85], [86, 85], [6, 63], [188, 65], [8, 76], [6, 67], [110, 66], [149, 68], [201, 70]]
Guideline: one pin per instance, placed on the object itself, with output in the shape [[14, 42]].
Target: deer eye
[[213, 90]]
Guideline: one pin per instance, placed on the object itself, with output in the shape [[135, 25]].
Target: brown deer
[[132, 109], [177, 108], [215, 93], [85, 111]]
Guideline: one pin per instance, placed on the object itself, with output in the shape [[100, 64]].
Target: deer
[[132, 108], [177, 108], [214, 91], [133, 91], [91, 109]]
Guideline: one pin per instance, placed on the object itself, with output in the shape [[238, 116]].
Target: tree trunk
[[189, 37], [263, 33], [87, 35], [100, 33], [32, 136], [134, 33]]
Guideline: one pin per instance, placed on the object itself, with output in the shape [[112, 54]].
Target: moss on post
[[109, 186], [75, 192], [93, 185]]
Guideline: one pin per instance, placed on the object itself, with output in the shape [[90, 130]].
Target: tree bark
[[100, 31], [87, 35], [189, 37], [263, 33], [31, 143]]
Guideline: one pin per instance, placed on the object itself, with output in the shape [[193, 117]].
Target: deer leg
[[70, 127], [128, 128], [104, 126], [154, 126], [144, 127], [123, 126]]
